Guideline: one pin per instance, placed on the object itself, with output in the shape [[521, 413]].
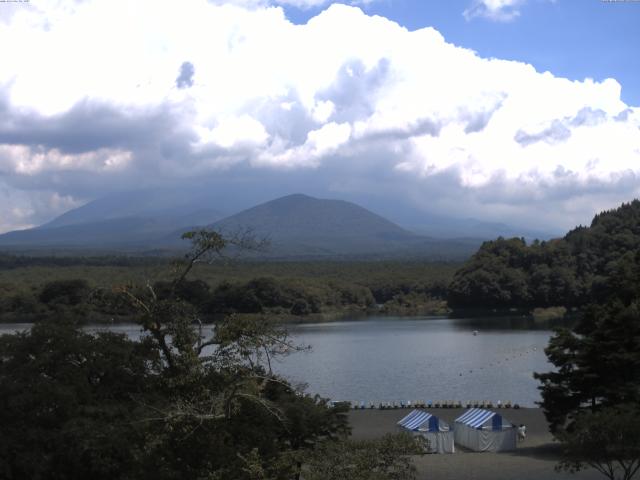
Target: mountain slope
[[168, 206], [129, 219], [303, 216], [137, 232], [299, 225]]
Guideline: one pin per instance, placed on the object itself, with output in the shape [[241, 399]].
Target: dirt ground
[[535, 457]]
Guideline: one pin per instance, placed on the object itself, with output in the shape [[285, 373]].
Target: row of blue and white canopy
[[419, 420], [477, 418]]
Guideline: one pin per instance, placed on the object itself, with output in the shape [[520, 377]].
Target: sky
[[525, 112]]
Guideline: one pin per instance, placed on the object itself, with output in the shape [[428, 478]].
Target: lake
[[412, 358]]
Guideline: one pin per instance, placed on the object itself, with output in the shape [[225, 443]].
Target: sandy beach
[[535, 458]]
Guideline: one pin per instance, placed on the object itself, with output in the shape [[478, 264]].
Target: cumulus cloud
[[497, 10], [354, 104], [301, 4]]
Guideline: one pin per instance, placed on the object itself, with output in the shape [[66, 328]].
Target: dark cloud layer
[[86, 127]]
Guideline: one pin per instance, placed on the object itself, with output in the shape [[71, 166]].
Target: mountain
[[302, 226], [313, 225], [118, 233], [162, 206], [126, 220], [297, 225]]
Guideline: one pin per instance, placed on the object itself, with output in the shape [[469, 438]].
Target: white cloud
[[497, 10], [302, 4], [26, 209], [232, 132], [29, 161], [264, 93], [322, 142]]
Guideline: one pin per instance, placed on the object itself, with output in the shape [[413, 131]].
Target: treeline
[[587, 265], [8, 261], [288, 290]]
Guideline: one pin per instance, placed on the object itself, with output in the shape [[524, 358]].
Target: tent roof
[[416, 420], [476, 417]]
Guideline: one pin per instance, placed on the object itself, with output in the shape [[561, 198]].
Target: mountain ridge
[[298, 225]]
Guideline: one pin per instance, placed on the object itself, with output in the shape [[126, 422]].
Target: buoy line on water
[[516, 353], [421, 404]]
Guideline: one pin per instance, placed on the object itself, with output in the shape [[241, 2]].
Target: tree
[[607, 440], [597, 365], [67, 399], [220, 394], [177, 404], [588, 264], [66, 292], [385, 459], [592, 399]]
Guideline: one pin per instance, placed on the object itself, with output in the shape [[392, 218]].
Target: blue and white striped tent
[[484, 431], [429, 426]]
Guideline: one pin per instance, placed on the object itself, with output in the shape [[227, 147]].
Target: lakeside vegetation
[[587, 265], [34, 286]]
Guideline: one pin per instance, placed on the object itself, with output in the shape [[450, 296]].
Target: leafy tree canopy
[[179, 403], [597, 364], [607, 440], [572, 271]]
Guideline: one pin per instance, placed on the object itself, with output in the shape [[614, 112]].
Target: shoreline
[[352, 314], [535, 457]]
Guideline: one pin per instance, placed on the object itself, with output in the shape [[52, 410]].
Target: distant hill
[[298, 225], [162, 205], [118, 233], [447, 227], [127, 220], [587, 264]]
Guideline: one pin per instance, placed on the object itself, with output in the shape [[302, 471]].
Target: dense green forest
[[586, 265], [31, 287]]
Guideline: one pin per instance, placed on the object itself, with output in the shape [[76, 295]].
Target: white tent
[[429, 426], [484, 431]]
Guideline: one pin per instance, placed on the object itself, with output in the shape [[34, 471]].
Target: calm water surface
[[411, 358], [420, 358]]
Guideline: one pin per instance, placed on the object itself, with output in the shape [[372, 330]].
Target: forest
[[31, 287], [587, 264]]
